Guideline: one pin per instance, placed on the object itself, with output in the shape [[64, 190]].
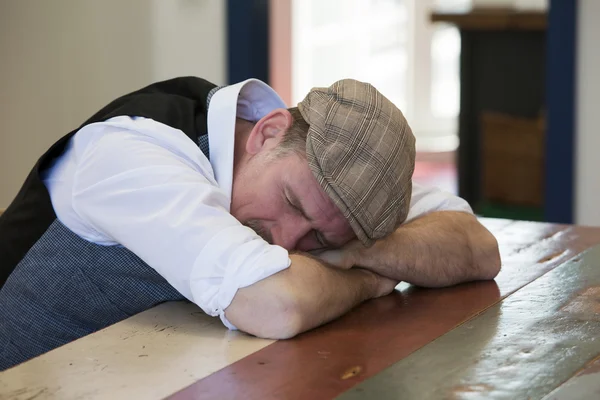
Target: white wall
[[587, 160], [189, 38], [61, 60]]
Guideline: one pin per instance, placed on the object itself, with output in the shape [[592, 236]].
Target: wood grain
[[163, 350], [148, 356], [521, 348], [582, 386], [379, 333], [494, 20]]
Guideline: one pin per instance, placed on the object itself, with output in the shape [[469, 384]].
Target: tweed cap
[[362, 152]]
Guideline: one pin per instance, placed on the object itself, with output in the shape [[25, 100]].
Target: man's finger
[[337, 258]]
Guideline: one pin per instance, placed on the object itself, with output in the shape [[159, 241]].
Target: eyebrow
[[296, 203]]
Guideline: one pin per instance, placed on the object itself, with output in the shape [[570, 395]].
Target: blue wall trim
[[247, 40], [561, 106]]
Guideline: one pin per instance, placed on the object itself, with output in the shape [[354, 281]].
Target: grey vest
[[57, 287]]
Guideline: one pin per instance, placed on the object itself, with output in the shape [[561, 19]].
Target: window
[[389, 43]]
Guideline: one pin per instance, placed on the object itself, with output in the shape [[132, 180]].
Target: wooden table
[[534, 332]]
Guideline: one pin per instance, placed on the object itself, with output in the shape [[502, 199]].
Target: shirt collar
[[251, 100]]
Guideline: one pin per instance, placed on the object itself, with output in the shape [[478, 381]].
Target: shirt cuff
[[239, 258], [226, 322]]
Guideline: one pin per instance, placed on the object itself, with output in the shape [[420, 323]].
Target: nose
[[288, 231]]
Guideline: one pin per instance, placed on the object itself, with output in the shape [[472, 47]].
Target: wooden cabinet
[[502, 71]]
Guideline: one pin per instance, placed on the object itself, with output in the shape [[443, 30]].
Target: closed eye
[[319, 237], [292, 202], [295, 204], [287, 199]]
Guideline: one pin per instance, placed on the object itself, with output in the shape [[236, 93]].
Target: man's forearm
[[304, 296], [439, 249]]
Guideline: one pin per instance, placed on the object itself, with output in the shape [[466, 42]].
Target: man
[[183, 190]]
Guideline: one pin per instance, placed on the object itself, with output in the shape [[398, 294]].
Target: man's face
[[280, 199]]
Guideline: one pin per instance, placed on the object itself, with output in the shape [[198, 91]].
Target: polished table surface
[[534, 332]]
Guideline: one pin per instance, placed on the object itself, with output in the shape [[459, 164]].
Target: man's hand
[[345, 257], [439, 249], [304, 296], [384, 285]]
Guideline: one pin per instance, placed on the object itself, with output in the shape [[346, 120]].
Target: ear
[[268, 130]]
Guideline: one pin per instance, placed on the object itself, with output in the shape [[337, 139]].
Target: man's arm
[[302, 297], [132, 189], [438, 249]]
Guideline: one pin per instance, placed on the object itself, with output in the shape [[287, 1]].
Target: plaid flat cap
[[362, 152]]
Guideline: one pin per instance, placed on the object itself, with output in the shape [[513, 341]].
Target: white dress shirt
[[140, 184]]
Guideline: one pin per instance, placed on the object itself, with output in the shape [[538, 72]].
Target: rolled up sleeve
[[168, 210], [426, 200]]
